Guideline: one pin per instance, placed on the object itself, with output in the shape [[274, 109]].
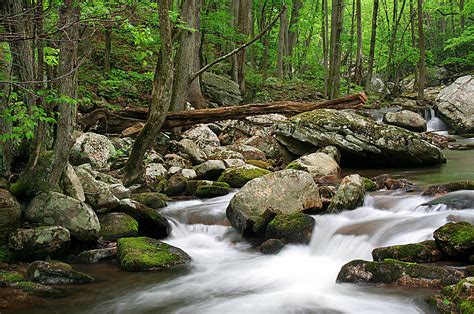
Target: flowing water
[[435, 124]]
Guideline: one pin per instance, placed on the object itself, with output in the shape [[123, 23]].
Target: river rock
[[71, 184], [220, 89], [291, 228], [349, 195], [423, 252], [10, 213], [56, 273], [92, 148], [174, 160], [440, 189], [151, 199], [455, 105], [176, 184], [58, 209], [268, 145], [188, 147], [272, 246], [261, 199], [210, 170], [456, 298], [455, 240], [222, 153], [377, 86], [317, 164], [39, 242], [98, 194], [361, 140], [248, 152], [237, 177], [117, 225], [454, 200], [206, 189], [202, 135], [154, 172], [150, 222], [139, 254], [406, 119], [399, 273], [97, 255]]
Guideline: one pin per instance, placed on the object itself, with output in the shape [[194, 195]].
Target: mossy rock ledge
[[291, 228], [207, 189], [117, 225], [151, 199], [456, 240], [423, 252], [56, 273], [237, 177], [458, 298], [145, 254]]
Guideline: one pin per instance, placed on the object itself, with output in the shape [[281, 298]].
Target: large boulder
[[58, 209], [207, 189], [456, 298], [440, 189], [423, 252], [454, 200], [191, 149], [39, 242], [237, 177], [455, 105], [260, 200], [10, 213], [349, 195], [117, 225], [202, 135], [395, 272], [406, 119], [220, 89], [210, 170], [317, 164], [92, 148], [291, 228], [377, 86], [361, 140], [139, 254], [248, 152], [71, 184], [56, 273], [151, 199], [456, 240]]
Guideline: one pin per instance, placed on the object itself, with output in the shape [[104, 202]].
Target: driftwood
[[115, 122]]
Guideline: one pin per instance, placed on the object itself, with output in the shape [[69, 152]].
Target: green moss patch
[[237, 177], [151, 199]]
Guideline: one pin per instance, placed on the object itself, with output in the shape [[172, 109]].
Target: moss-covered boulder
[[10, 213], [438, 189], [9, 277], [207, 189], [39, 242], [455, 240], [237, 177], [261, 199], [139, 254], [317, 164], [56, 273], [58, 209], [292, 228], [349, 195], [150, 222], [38, 290], [458, 298], [151, 199], [423, 252], [117, 225], [361, 140], [369, 184], [399, 273], [97, 255]]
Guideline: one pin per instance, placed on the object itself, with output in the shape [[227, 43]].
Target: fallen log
[[114, 122]]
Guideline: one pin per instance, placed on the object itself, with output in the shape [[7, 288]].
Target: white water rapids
[[228, 276]]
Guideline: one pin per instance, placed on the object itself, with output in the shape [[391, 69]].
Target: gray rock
[[58, 209], [174, 160], [92, 148], [39, 242], [377, 86], [317, 164], [454, 200], [10, 213], [406, 119], [248, 152], [210, 170], [97, 255], [117, 225], [260, 200], [154, 172], [192, 150], [349, 195], [202, 135], [71, 184], [56, 273], [455, 105], [220, 89], [291, 228], [98, 194]]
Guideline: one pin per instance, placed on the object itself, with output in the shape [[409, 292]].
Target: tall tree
[[293, 31], [325, 36], [421, 43], [282, 45], [337, 14], [373, 36], [358, 63]]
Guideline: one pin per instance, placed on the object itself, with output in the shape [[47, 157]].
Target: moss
[[212, 190], [147, 254], [11, 277], [117, 225], [423, 252], [239, 176], [294, 166], [6, 256], [455, 239], [294, 227], [466, 307], [369, 184], [456, 298], [260, 164], [151, 199]]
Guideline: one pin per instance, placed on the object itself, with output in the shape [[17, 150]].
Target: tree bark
[[334, 83], [244, 25], [160, 98], [324, 35], [358, 63], [293, 32], [195, 93], [421, 42], [282, 45], [108, 48], [373, 36]]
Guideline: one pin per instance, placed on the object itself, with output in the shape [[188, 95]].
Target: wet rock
[[385, 181], [190, 148], [174, 160], [369, 185], [39, 242], [291, 228], [202, 135], [220, 89], [39, 290], [455, 240], [272, 246], [10, 213], [56, 273], [439, 189], [317, 164], [454, 200], [58, 209], [248, 152], [361, 140], [399, 273], [92, 148], [406, 119], [237, 177], [98, 194], [9, 277], [176, 184], [151, 199], [150, 222], [454, 105], [207, 189], [97, 255], [349, 195], [71, 184], [117, 225], [423, 252], [456, 298], [139, 254], [261, 199], [210, 170]]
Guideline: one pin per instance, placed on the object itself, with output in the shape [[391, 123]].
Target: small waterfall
[[435, 124]]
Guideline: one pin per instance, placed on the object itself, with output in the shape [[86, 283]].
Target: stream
[[229, 276]]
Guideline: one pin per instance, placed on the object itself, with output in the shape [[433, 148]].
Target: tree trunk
[[282, 45], [293, 31], [160, 98], [421, 42], [373, 36], [108, 48], [358, 64], [334, 83], [349, 53], [195, 93], [5, 125], [244, 26], [324, 35]]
